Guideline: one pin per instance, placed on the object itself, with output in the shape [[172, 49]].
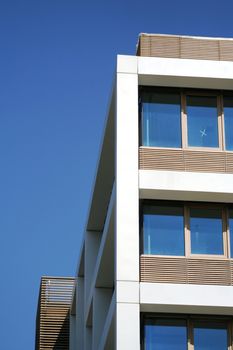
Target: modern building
[[155, 269]]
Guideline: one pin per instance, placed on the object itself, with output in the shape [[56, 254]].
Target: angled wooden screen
[[52, 324]]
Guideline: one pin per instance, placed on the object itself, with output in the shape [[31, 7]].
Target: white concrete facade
[[110, 296]]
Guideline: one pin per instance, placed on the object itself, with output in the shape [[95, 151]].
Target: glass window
[[161, 124], [206, 231], [202, 121], [210, 336], [163, 230], [228, 121], [161, 334]]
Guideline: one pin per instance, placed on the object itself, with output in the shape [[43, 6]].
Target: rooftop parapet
[[186, 47]]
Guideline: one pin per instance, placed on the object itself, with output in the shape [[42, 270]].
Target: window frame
[[187, 233], [184, 92], [226, 321]]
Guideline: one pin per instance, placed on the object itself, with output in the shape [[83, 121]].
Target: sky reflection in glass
[[228, 121], [202, 119], [163, 229], [206, 231], [161, 124], [212, 337], [165, 335]]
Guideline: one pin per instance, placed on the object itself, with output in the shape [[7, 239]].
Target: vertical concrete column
[[73, 333], [127, 205], [101, 303], [92, 243], [88, 338], [80, 313]]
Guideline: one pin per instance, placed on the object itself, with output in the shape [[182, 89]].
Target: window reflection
[[206, 231], [202, 120], [228, 121], [163, 229], [172, 333], [161, 334], [161, 124], [210, 336]]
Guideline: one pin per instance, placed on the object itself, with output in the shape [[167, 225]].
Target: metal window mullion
[[184, 128], [190, 334], [220, 122], [187, 231]]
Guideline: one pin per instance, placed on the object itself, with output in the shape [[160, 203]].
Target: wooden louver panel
[[52, 328], [185, 160], [160, 159], [164, 48], [160, 270], [226, 50], [185, 47], [199, 49], [186, 270], [209, 271], [205, 161], [229, 162]]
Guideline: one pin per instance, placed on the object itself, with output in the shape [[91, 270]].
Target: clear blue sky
[[57, 59]]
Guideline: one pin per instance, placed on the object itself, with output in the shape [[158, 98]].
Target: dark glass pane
[[165, 335], [163, 229], [206, 231], [202, 119], [228, 121], [231, 230], [161, 125], [211, 336]]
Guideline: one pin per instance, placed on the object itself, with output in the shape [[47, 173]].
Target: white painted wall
[[128, 326], [186, 186], [185, 72], [165, 297], [127, 207], [127, 238]]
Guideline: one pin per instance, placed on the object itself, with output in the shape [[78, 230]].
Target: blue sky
[[57, 60]]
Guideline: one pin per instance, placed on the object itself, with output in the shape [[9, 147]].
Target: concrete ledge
[[185, 72], [179, 298], [176, 185]]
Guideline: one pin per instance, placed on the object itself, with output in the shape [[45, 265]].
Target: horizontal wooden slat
[[53, 313], [185, 160], [165, 48], [175, 46], [186, 270], [199, 49], [205, 161], [152, 158], [160, 270], [208, 271], [226, 50]]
